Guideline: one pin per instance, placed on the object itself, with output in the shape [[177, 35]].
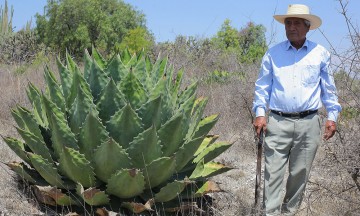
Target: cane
[[258, 167]]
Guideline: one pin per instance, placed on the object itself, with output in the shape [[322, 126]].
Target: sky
[[167, 19]]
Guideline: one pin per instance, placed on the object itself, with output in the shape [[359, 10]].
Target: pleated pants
[[289, 143]]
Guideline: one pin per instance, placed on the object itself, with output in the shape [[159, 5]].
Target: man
[[294, 82]]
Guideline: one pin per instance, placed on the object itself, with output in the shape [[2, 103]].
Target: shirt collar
[[288, 45]]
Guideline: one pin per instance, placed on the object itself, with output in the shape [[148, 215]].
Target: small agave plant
[[122, 132]]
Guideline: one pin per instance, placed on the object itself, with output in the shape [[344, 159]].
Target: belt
[[296, 114]]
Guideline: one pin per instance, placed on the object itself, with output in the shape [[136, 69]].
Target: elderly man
[[294, 82]]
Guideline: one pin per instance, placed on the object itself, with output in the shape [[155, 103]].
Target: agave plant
[[122, 131]]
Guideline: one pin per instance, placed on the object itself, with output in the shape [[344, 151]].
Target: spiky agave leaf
[[53, 196], [75, 166], [126, 183], [122, 132], [108, 158], [92, 196]]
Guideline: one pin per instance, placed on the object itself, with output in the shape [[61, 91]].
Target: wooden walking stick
[[258, 167]]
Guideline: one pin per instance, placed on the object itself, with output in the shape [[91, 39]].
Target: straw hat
[[300, 11]]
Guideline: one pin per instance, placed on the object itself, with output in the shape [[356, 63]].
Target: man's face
[[296, 29]]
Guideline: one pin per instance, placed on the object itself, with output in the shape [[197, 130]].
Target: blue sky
[[203, 18]]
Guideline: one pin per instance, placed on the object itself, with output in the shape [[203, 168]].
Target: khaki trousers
[[294, 142]]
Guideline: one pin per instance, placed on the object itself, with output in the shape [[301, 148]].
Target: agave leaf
[[145, 148], [124, 126], [87, 64], [92, 134], [36, 144], [29, 121], [136, 207], [132, 62], [79, 110], [160, 89], [28, 174], [78, 82], [53, 196], [54, 90], [140, 72], [98, 58], [110, 101], [66, 78], [97, 79], [148, 64], [207, 170], [175, 87], [33, 93], [61, 134], [187, 93], [92, 196], [19, 121], [47, 170], [178, 80], [186, 153], [186, 108], [209, 139], [158, 70], [18, 147], [200, 189], [133, 90], [150, 113], [126, 183], [205, 125], [170, 70], [199, 106], [207, 187], [75, 166], [46, 135], [159, 171], [171, 135], [70, 62], [140, 54], [167, 110], [35, 99], [196, 115], [116, 69], [104, 212], [108, 158], [171, 191], [125, 56], [212, 151]]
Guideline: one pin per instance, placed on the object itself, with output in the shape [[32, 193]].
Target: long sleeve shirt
[[292, 80]]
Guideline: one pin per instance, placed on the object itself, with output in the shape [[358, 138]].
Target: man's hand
[[260, 122], [330, 128]]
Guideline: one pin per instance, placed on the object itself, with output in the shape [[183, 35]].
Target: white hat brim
[[315, 21]]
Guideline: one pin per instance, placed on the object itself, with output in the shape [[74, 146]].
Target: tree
[[227, 36], [75, 25], [252, 42], [249, 44], [136, 40]]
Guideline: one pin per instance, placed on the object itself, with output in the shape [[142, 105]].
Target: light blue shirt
[[292, 80]]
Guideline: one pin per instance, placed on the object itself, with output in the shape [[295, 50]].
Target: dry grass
[[13, 200], [327, 193]]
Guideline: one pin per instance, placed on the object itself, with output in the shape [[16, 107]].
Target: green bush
[[76, 25]]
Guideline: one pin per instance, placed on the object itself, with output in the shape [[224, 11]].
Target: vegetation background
[[226, 66]]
